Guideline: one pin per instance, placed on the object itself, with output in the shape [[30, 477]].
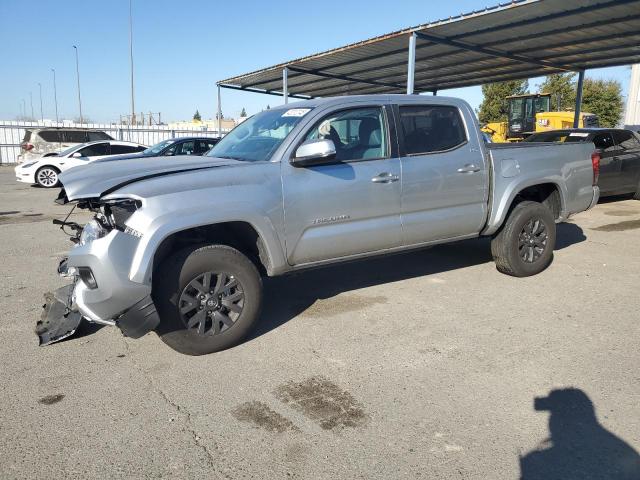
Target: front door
[[350, 205], [444, 173]]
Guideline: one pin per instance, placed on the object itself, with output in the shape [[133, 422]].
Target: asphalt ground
[[420, 365]]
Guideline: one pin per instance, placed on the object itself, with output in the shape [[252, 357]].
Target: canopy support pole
[[411, 67], [576, 117], [285, 84], [219, 113]]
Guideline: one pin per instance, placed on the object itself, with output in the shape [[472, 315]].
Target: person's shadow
[[579, 447]]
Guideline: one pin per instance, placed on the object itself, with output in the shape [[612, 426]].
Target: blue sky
[[181, 48]]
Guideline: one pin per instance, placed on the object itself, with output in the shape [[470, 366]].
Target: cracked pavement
[[423, 365]]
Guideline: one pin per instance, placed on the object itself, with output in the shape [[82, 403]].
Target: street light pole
[[133, 108], [78, 77], [55, 93], [31, 100], [41, 112]]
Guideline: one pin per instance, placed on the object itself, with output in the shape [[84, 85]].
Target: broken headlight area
[[109, 215]]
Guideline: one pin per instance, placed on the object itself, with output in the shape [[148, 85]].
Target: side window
[[74, 136], [202, 146], [603, 141], [171, 150], [429, 129], [185, 148], [358, 134], [95, 150], [120, 149], [96, 136], [625, 139], [54, 136]]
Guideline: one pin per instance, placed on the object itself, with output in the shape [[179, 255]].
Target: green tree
[[268, 107], [603, 98], [196, 116], [494, 107], [243, 113], [561, 86]]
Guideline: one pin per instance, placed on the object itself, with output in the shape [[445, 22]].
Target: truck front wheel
[[524, 246], [207, 298]]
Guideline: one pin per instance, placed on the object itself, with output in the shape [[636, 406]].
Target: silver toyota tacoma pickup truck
[[180, 246]]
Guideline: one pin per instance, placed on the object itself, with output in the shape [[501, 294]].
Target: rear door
[[609, 180], [444, 173], [351, 205], [628, 153]]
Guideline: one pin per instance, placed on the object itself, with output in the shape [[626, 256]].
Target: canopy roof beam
[[490, 51], [265, 92]]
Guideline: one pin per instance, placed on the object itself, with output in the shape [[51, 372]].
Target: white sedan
[[45, 170]]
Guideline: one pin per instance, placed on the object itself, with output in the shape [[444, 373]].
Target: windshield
[[255, 139], [158, 147]]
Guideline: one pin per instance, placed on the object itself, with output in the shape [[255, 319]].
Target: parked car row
[[44, 169], [41, 142]]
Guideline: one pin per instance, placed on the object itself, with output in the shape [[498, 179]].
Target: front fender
[[162, 227]]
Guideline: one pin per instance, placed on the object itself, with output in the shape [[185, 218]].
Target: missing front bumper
[[58, 320]]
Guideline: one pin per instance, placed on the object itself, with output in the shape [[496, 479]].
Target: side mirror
[[77, 155], [314, 152]]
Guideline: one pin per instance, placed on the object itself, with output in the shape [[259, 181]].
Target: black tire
[[224, 316], [523, 247], [47, 177], [636, 196]]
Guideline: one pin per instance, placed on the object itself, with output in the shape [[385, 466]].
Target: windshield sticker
[[578, 134], [296, 112]]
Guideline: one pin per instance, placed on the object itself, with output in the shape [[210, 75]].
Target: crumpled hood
[[96, 179]]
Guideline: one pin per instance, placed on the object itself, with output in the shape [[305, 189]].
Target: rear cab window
[[431, 128]]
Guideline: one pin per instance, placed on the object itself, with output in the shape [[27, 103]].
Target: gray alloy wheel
[[47, 177], [211, 303], [532, 240], [524, 245], [208, 297]]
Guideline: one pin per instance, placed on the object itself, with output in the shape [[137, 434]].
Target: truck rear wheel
[[524, 246], [207, 298]]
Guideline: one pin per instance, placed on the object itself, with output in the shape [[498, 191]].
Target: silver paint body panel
[[322, 214]]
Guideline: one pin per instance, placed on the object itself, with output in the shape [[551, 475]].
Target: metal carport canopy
[[520, 39]]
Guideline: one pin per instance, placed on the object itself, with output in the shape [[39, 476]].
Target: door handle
[[469, 168], [385, 177]]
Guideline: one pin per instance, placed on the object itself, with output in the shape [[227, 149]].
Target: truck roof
[[327, 101]]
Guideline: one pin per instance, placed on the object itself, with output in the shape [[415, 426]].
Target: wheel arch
[[241, 235], [548, 192]]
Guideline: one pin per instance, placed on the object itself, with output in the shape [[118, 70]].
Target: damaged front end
[[59, 318], [101, 291]]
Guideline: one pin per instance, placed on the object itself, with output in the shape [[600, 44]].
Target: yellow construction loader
[[530, 114]]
